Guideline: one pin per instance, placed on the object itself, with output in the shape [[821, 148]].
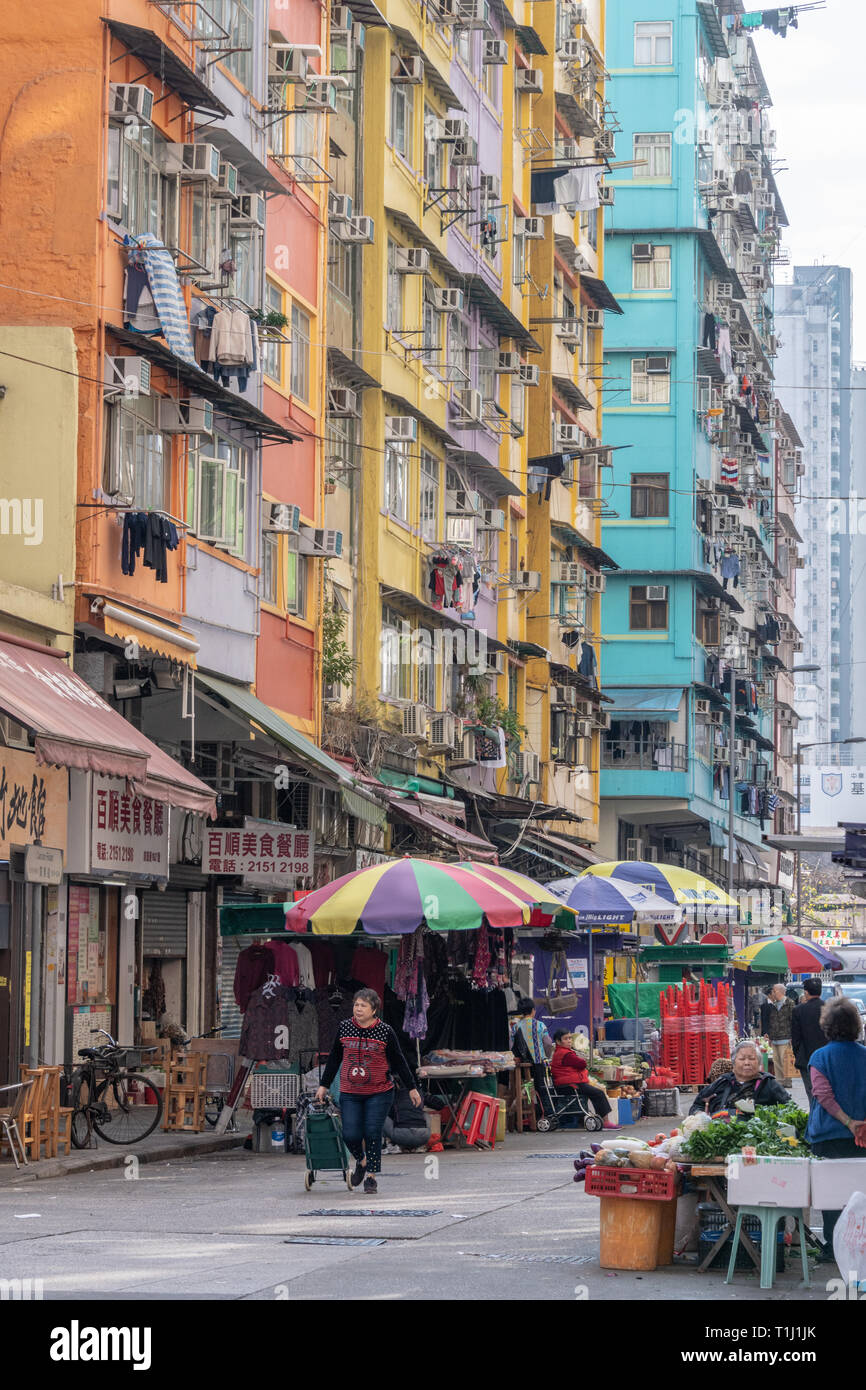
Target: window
[[434, 151], [649, 388], [655, 151], [426, 669], [518, 405], [235, 18], [654, 274], [487, 358], [491, 83], [272, 352], [300, 383], [646, 613], [402, 118], [139, 456], [649, 494], [394, 308], [429, 499], [397, 480], [431, 338], [217, 493], [270, 566], [340, 263], [464, 46], [396, 656], [246, 250], [653, 43], [458, 345], [708, 628], [518, 272], [138, 196], [296, 584], [209, 230]]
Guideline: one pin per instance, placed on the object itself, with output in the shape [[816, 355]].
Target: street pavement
[[507, 1224]]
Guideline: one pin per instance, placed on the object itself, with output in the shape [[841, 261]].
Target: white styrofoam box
[[772, 1182], [834, 1180]]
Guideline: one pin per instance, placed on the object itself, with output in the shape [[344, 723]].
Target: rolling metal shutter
[[231, 1017], [163, 924]]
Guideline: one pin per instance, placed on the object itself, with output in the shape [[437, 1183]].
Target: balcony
[[642, 755]]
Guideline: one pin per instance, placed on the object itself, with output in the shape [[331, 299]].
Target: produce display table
[[706, 1176]]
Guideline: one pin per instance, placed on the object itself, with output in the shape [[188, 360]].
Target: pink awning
[[75, 727], [470, 846]]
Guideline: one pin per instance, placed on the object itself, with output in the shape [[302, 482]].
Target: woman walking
[[366, 1053]]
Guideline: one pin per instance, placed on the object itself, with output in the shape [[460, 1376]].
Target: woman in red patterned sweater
[[366, 1053]]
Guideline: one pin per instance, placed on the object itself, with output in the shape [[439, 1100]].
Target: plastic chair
[[769, 1218], [9, 1117], [478, 1117]]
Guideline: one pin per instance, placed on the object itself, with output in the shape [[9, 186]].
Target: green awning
[[645, 702], [355, 801], [409, 782], [253, 919]]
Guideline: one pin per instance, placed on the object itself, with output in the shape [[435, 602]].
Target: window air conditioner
[[529, 581], [401, 427], [407, 70], [445, 301], [567, 572], [570, 330], [460, 501], [568, 434], [492, 519], [282, 517], [342, 403], [579, 14], [465, 152], [341, 19], [454, 128], [194, 416], [656, 593], [321, 96], [606, 195], [412, 260], [130, 375], [604, 144], [532, 228], [469, 403], [290, 65], [128, 100], [227, 186], [529, 375], [496, 663], [529, 80], [596, 582], [323, 544], [570, 50], [658, 366], [508, 362], [197, 162], [634, 849], [495, 53], [360, 231], [595, 318], [339, 207], [415, 722], [473, 14], [583, 728], [248, 210]]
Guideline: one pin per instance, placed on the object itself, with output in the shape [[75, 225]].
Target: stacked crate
[[185, 1091]]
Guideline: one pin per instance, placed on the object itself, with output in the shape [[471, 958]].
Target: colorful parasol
[[597, 901], [399, 896], [777, 954], [672, 883]]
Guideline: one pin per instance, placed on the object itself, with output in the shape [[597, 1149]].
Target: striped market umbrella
[[397, 897], [597, 901], [670, 882], [777, 954]]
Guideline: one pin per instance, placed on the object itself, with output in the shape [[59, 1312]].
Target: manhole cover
[[532, 1259], [333, 1240], [371, 1211]]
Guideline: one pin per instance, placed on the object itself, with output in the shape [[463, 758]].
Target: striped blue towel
[[167, 297]]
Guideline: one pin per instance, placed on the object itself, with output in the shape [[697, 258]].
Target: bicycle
[[110, 1105]]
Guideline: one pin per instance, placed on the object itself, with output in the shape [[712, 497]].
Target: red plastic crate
[[630, 1182]]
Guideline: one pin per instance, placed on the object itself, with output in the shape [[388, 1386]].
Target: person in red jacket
[[570, 1073]]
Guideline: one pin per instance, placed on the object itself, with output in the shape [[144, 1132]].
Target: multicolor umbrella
[[672, 883], [397, 897], [597, 901], [777, 954]]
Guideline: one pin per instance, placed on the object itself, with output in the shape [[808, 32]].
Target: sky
[[817, 79]]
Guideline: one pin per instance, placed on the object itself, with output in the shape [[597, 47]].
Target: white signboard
[[43, 865], [832, 794], [264, 853], [129, 833], [578, 974]]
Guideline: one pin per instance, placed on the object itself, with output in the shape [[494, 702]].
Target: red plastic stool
[[478, 1117]]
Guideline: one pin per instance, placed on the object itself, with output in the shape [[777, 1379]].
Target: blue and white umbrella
[[601, 902]]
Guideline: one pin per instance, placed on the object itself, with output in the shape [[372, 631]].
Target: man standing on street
[[779, 1032], [807, 1035]]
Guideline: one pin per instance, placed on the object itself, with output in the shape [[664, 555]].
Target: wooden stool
[[185, 1091]]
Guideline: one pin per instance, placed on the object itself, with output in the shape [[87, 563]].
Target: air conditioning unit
[[532, 228], [568, 434], [332, 693], [570, 50], [248, 210], [290, 65], [528, 767], [528, 581], [320, 543], [570, 330], [131, 375], [508, 363], [702, 706], [529, 375], [634, 849], [568, 149], [128, 100], [567, 572], [492, 519], [595, 318], [721, 499], [579, 14], [339, 207], [194, 416], [596, 582], [401, 427], [227, 187], [583, 728], [446, 11], [443, 731], [415, 722], [717, 716], [360, 231], [199, 162], [656, 592], [658, 366], [445, 301], [407, 70], [282, 517], [495, 664], [491, 188], [563, 695], [411, 260], [321, 96], [342, 403], [724, 289], [606, 195], [465, 152], [461, 501], [473, 14], [604, 144], [464, 750], [469, 403], [529, 80], [454, 128], [341, 19], [602, 719], [495, 53]]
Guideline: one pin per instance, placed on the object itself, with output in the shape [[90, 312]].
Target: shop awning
[[151, 634], [75, 727], [563, 845], [645, 702], [355, 801], [470, 846]]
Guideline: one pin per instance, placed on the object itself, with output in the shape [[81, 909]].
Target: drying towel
[[165, 289]]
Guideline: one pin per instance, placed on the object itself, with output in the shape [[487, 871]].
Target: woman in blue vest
[[837, 1120]]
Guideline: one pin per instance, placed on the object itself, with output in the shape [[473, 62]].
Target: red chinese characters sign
[[264, 852], [129, 833]]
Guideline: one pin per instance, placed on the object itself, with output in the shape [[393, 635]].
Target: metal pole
[[591, 983], [799, 877], [731, 737]]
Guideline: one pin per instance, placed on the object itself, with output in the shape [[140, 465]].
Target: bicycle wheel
[[79, 1129], [125, 1118]]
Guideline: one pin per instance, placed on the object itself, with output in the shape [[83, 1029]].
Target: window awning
[[75, 727], [471, 846], [164, 63], [645, 702], [600, 294], [251, 169], [492, 308], [571, 394], [154, 636], [355, 801]]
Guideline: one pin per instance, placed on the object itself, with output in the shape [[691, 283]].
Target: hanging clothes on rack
[[231, 349]]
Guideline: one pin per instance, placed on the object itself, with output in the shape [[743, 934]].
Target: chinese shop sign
[[33, 801], [129, 833], [264, 853]]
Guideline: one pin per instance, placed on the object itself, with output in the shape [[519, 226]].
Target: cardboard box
[[771, 1182], [835, 1179]]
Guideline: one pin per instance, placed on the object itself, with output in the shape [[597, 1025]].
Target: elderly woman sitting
[[744, 1082]]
